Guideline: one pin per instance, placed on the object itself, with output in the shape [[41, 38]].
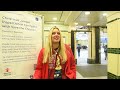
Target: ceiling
[[70, 17]]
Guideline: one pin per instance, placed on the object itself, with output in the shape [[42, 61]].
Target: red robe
[[68, 69]]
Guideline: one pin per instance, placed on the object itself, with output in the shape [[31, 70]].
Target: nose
[[56, 33]]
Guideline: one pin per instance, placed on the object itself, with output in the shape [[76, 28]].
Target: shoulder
[[42, 50], [67, 47]]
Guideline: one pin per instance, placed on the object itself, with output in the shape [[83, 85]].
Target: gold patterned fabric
[[55, 65]]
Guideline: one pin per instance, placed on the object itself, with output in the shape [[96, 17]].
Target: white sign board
[[20, 43]]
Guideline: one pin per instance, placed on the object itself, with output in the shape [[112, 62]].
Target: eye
[[53, 33], [58, 33]]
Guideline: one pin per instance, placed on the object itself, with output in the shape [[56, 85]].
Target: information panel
[[20, 43]]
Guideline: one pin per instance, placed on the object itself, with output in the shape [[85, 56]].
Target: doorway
[[103, 43], [81, 47]]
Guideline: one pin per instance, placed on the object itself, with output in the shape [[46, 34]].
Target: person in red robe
[[55, 60]]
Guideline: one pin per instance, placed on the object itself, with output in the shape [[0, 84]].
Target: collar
[[55, 50]]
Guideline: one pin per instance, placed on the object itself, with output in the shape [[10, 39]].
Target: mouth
[[56, 38]]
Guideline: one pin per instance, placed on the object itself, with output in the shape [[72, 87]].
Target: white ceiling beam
[[72, 17]]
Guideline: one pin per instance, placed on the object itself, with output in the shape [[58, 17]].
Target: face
[[55, 36]]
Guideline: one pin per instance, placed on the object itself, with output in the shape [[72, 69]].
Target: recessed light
[[54, 18], [104, 14], [88, 24], [76, 23], [87, 13]]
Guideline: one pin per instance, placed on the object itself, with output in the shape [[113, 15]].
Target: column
[[91, 45], [113, 28]]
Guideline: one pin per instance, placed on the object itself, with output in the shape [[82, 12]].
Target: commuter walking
[[78, 48], [105, 51]]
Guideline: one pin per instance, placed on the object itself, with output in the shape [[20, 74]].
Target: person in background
[[78, 48], [105, 50], [56, 60]]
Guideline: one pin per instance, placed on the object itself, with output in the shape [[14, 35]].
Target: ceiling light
[[88, 24], [76, 23], [54, 18], [104, 14], [87, 13]]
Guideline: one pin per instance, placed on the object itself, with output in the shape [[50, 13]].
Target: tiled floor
[[79, 76], [82, 60]]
